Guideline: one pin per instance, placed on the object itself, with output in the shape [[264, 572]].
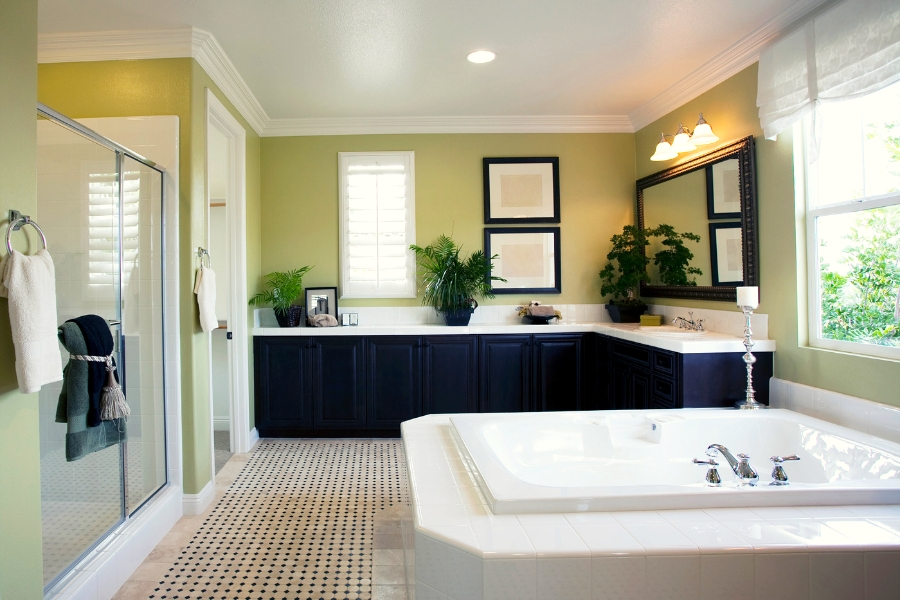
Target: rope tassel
[[112, 399]]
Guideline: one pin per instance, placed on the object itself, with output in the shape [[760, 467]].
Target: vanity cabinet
[[351, 386]]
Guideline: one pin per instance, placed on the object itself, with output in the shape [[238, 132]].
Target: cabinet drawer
[[633, 353], [662, 403], [664, 388], [663, 362]]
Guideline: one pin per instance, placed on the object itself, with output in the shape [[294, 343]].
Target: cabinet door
[[558, 371], [450, 374], [339, 383], [504, 373], [283, 386], [640, 389], [394, 387], [620, 393]]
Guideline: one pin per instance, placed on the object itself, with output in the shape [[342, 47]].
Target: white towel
[[30, 284], [206, 298]]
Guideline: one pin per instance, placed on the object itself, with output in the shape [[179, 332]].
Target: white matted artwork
[[723, 190], [521, 190], [726, 253], [527, 258]]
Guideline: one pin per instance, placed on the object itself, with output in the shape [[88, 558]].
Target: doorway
[[226, 243]]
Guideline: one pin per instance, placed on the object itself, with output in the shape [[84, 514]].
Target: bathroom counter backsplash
[[725, 329]]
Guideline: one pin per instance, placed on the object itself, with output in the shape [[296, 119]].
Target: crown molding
[[178, 42], [734, 59], [474, 124]]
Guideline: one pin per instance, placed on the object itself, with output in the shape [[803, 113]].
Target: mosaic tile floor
[[308, 520]]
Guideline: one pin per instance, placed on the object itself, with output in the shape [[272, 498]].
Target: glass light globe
[[703, 133], [663, 150], [682, 141]]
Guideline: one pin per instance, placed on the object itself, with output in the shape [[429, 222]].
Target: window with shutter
[[378, 224], [103, 222]]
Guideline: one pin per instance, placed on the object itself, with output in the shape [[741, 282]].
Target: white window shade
[[103, 222], [850, 50], [378, 224]]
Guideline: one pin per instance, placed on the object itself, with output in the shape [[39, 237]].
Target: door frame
[[218, 117]]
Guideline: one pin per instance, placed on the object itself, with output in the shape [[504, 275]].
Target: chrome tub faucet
[[740, 464]]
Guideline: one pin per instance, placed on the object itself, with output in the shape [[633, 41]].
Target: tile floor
[[293, 519]]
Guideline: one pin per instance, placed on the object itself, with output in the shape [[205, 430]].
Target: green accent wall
[[168, 87], [20, 468], [730, 107], [300, 205]]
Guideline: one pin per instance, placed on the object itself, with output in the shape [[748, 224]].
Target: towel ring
[[19, 223]]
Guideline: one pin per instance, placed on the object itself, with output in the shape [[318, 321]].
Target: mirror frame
[[744, 151]]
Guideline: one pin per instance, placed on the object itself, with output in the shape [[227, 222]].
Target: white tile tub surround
[[881, 420], [464, 552]]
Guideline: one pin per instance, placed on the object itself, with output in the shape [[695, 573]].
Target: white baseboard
[[254, 437], [195, 504], [102, 572], [221, 424]]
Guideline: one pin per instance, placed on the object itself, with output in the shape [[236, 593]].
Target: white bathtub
[[642, 460]]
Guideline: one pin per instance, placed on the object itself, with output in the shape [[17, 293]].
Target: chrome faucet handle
[[779, 477], [699, 324], [712, 475]]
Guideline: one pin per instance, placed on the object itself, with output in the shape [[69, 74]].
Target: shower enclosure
[[101, 208]]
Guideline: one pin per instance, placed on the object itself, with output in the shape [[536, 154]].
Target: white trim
[[473, 124], [236, 213], [254, 437], [733, 60], [177, 42], [221, 424], [196, 504]]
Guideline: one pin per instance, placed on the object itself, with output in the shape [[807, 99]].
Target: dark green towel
[[74, 403]]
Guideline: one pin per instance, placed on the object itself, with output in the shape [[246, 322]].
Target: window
[[103, 223], [378, 224], [853, 225]]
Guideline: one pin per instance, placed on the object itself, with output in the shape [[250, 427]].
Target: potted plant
[[674, 260], [623, 282], [285, 287], [451, 283]]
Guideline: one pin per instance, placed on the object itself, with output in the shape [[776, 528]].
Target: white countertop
[[711, 342]]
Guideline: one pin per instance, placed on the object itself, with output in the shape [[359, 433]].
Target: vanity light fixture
[[684, 141], [480, 56]]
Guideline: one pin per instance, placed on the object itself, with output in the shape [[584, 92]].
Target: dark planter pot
[[625, 314], [291, 318], [458, 318]]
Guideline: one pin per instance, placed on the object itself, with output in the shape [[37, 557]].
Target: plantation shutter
[[103, 221], [378, 225]]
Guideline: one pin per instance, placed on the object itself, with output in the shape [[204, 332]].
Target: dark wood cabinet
[[504, 373], [394, 390], [339, 383], [558, 372], [450, 374], [336, 386]]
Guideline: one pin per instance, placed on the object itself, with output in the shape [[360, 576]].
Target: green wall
[[300, 203], [20, 467], [730, 107], [168, 87]]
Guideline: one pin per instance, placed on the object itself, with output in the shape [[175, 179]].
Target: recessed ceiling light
[[481, 56]]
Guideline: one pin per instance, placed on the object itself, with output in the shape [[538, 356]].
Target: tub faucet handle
[[712, 475], [779, 477]]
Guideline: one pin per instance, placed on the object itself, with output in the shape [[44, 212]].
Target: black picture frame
[[490, 250], [490, 218], [330, 293], [717, 280], [711, 213]]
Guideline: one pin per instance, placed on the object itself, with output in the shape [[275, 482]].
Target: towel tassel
[[112, 400]]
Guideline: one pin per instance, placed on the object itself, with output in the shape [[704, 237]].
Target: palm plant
[[450, 283], [285, 287]]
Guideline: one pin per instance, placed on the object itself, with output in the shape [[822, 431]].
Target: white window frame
[[814, 306], [343, 171]]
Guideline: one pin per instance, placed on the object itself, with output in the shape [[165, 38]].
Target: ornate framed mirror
[[714, 197]]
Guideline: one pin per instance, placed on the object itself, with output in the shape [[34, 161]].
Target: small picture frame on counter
[[345, 319]]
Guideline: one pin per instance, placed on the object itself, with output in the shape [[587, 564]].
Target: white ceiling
[[343, 59]]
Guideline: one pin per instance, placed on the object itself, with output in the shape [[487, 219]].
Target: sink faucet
[[688, 323], [740, 464]]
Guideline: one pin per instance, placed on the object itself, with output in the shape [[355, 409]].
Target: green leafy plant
[[285, 287], [451, 283], [674, 261], [623, 280]]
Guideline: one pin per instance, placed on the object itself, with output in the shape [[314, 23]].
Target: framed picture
[[527, 258], [322, 301], [521, 190], [726, 254], [723, 190]]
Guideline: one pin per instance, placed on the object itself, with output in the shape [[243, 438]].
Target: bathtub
[[642, 460]]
